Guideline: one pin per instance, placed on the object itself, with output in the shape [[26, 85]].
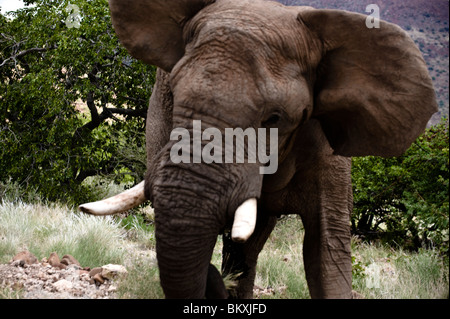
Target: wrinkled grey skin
[[332, 87]]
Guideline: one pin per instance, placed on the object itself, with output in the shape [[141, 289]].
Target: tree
[[47, 64], [405, 199]]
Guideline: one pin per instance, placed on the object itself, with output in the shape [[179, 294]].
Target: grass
[[43, 230], [378, 271], [280, 270]]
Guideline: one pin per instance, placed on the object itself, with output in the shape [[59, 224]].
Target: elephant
[[331, 86]]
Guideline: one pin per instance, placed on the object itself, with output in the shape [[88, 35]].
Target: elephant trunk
[[193, 203]]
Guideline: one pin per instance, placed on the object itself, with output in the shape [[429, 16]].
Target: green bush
[[72, 101], [404, 200]]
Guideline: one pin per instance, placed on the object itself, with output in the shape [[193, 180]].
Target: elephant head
[[258, 64]]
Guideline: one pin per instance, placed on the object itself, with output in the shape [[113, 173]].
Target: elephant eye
[[272, 120]]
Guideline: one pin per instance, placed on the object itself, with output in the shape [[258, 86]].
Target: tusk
[[244, 221], [116, 204]]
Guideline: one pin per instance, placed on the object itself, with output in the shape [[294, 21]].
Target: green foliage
[[137, 221], [48, 68], [12, 192], [357, 268], [405, 199]]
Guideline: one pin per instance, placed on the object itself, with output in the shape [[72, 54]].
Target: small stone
[[114, 271], [63, 285], [18, 263], [50, 271], [69, 260], [26, 256], [73, 267], [61, 266], [112, 288], [99, 278], [54, 260], [94, 271]]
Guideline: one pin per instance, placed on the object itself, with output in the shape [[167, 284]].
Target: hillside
[[427, 22]]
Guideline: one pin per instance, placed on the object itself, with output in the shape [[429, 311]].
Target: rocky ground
[[55, 278]]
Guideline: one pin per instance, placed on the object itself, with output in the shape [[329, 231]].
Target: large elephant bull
[[332, 87]]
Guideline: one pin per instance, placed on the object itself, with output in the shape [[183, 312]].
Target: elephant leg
[[326, 248], [241, 258], [327, 257], [215, 288]]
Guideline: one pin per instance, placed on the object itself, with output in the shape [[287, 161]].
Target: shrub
[[50, 141], [404, 200]]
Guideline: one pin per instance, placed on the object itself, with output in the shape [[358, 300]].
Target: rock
[[111, 271], [69, 260], [18, 263], [43, 281], [54, 259], [98, 278], [259, 291], [63, 285], [83, 272], [61, 266], [73, 267], [112, 288], [50, 270], [25, 257], [94, 271]]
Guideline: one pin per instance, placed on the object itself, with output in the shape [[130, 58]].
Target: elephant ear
[[152, 30], [373, 94]]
